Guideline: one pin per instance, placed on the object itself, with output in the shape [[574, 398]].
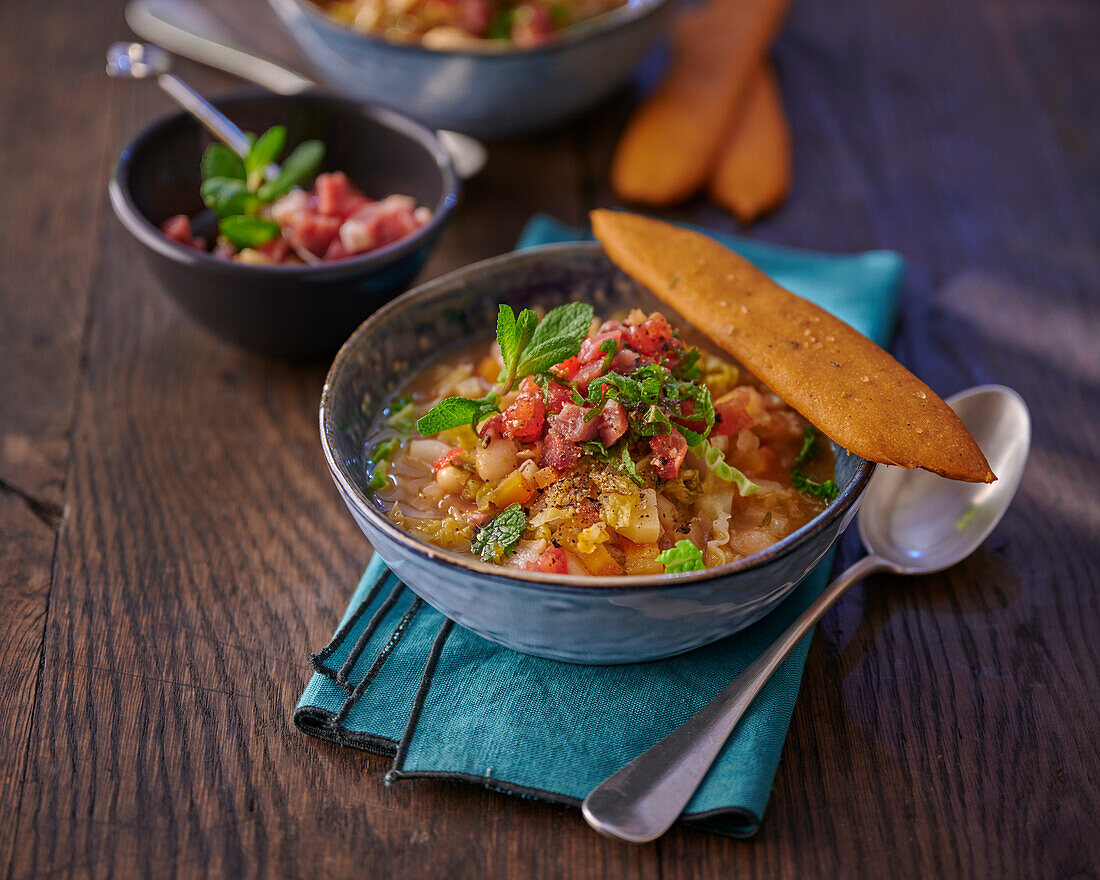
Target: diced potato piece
[[515, 487], [641, 558], [597, 561], [644, 526]]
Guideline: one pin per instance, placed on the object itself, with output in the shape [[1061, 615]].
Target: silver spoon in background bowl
[[193, 31], [911, 522]]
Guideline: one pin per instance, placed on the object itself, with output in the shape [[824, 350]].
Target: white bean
[[451, 479], [497, 460]]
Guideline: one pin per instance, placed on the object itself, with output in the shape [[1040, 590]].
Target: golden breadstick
[[753, 172], [670, 145], [837, 378]]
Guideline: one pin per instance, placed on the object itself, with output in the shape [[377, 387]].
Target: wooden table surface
[[171, 546]]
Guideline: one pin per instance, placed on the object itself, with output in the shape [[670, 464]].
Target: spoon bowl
[[920, 523]]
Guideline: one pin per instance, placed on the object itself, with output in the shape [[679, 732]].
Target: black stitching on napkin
[[418, 700], [318, 659], [365, 636], [379, 661]]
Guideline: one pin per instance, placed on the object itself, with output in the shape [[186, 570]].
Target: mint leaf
[[570, 321], [500, 535], [300, 165], [248, 232], [268, 147], [541, 356], [451, 412], [507, 338], [684, 556], [226, 195], [220, 161]]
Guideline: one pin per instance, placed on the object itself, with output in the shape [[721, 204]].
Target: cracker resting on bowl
[[836, 377]]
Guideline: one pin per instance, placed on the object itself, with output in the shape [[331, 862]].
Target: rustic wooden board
[[172, 546]]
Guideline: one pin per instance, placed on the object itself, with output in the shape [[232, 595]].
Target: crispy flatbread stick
[[671, 144], [753, 172], [837, 378]]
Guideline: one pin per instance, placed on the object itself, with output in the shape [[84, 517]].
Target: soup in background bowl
[[585, 618]]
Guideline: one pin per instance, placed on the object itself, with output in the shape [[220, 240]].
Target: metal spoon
[[191, 30], [139, 61], [911, 522]]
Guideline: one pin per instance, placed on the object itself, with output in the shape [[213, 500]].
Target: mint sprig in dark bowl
[[220, 268]]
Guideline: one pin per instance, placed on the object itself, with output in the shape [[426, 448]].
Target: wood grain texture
[[173, 535]]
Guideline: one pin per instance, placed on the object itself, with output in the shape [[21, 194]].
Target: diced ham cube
[[315, 232], [668, 454], [336, 197], [590, 348], [380, 223], [559, 453], [611, 422], [178, 229], [571, 424], [587, 373], [556, 397], [624, 361], [287, 209]]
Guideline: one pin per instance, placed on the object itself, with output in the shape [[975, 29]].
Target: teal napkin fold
[[400, 679]]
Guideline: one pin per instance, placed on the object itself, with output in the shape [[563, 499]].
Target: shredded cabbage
[[724, 470]]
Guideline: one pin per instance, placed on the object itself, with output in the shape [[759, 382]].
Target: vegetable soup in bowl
[[553, 460]]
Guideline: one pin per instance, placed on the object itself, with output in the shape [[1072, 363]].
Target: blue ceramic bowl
[[483, 93], [285, 311], [563, 617]]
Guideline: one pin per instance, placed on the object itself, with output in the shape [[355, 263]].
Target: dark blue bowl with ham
[[299, 310]]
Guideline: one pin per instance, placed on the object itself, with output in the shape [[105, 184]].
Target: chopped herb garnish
[[500, 535], [617, 458], [610, 348], [683, 556], [825, 490], [528, 347]]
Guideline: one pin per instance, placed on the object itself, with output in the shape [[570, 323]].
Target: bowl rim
[[141, 228], [439, 288], [579, 32]]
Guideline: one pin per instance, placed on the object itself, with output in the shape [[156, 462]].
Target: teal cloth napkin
[[400, 679]]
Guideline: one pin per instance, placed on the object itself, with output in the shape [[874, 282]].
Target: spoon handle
[[219, 125], [641, 801]]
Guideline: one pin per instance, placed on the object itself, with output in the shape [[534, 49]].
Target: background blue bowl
[[577, 619], [486, 94]]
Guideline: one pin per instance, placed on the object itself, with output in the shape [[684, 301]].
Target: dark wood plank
[[51, 169]]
